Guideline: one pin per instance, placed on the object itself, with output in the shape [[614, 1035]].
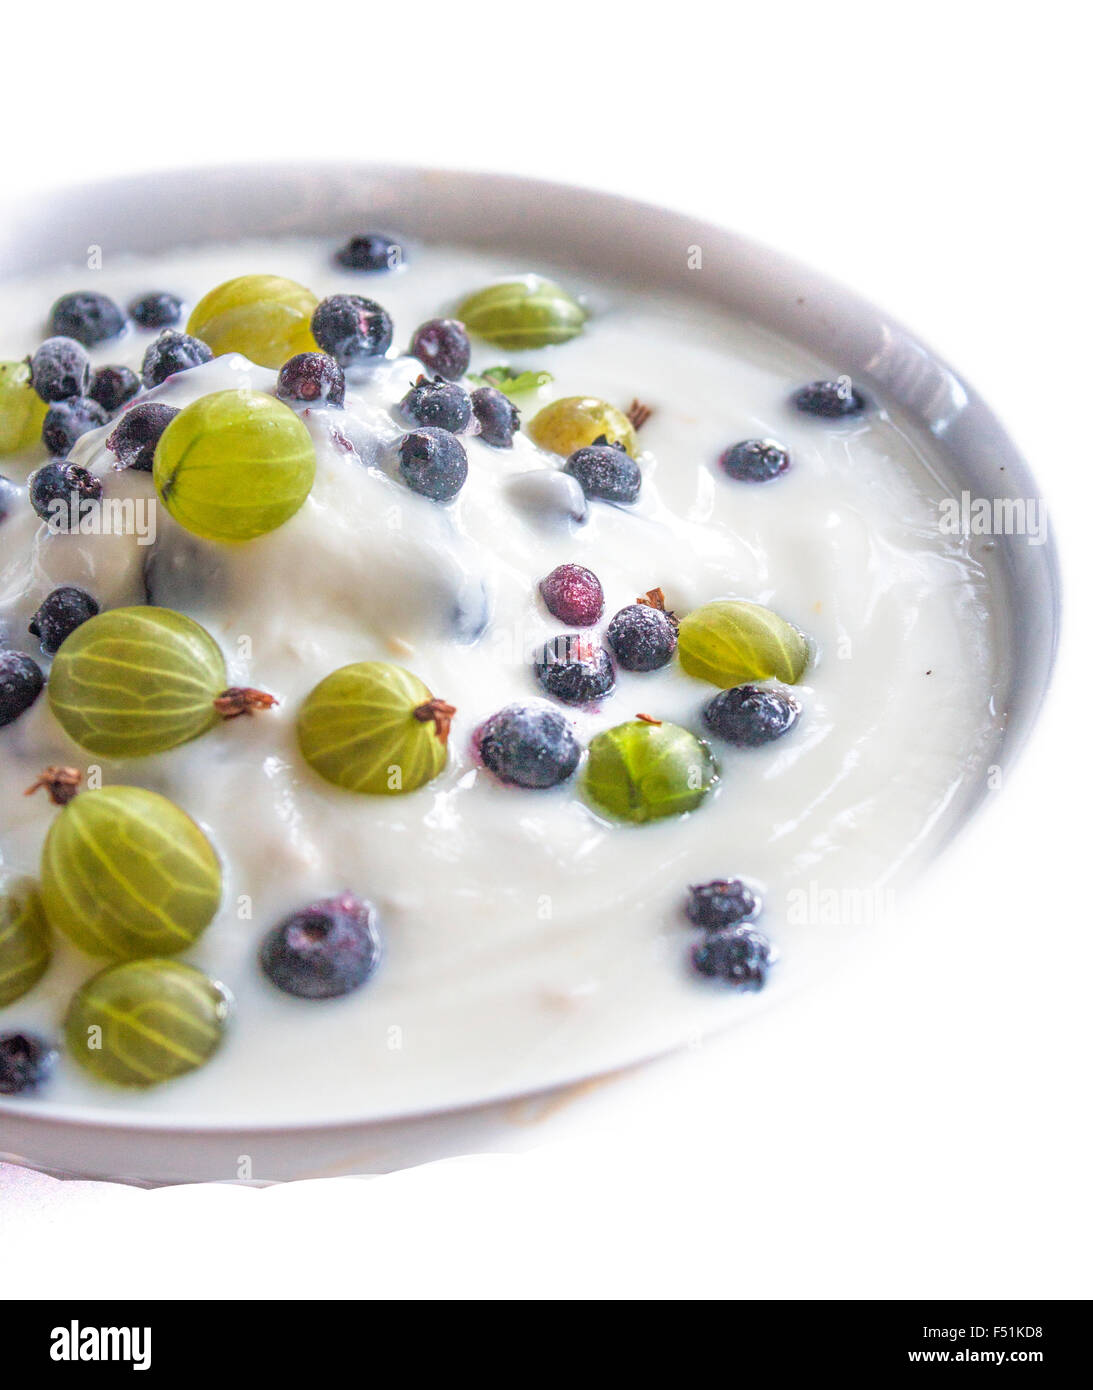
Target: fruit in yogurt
[[157, 309], [575, 669], [134, 439], [24, 939], [644, 770], [21, 683], [59, 369], [146, 1021], [353, 330], [730, 641], [749, 716], [374, 727], [573, 595], [59, 614], [442, 347], [740, 957], [63, 493], [606, 471], [438, 403], [498, 419], [372, 251], [170, 353], [527, 313], [642, 636], [112, 387], [721, 903], [432, 462], [134, 681], [26, 1061], [234, 465], [323, 951], [575, 422], [830, 399], [126, 874], [21, 409], [529, 746], [88, 317], [755, 461], [67, 421], [312, 378], [265, 317]]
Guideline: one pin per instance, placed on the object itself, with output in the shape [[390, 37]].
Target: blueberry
[[741, 957], [8, 493], [21, 682], [67, 421], [529, 747], [62, 493], [442, 347], [170, 353], [353, 330], [754, 460], [25, 1062], [88, 317], [439, 404], [61, 613], [111, 387], [575, 669], [156, 310], [720, 904], [327, 949], [312, 377], [498, 419], [373, 251], [831, 399], [751, 715], [135, 436], [606, 471], [59, 369], [573, 595], [642, 638], [434, 463]]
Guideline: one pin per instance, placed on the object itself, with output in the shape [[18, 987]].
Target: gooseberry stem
[[639, 413], [648, 719], [440, 712], [242, 699], [654, 598], [61, 783]]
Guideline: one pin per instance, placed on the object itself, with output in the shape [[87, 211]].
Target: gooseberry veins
[[643, 771], [527, 313], [234, 465], [126, 873], [730, 641], [374, 727], [24, 939], [265, 317]]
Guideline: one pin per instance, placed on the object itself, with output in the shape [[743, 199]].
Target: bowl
[[602, 235]]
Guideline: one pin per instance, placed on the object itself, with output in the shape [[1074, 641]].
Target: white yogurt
[[526, 940]]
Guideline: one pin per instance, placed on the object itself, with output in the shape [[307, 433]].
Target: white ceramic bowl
[[603, 235]]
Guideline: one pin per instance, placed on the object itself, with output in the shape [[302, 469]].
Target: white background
[[922, 1128]]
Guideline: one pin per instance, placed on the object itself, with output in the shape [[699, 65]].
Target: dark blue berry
[[313, 378], [156, 310], [573, 595], [740, 957], [831, 399], [755, 461], [751, 715], [443, 347], [60, 614], [351, 329], [111, 387], [605, 471], [327, 949], [21, 682], [134, 439], [62, 493], [8, 494], [720, 904], [643, 638], [67, 421], [439, 404], [170, 353], [575, 669], [433, 463], [88, 317], [498, 419], [59, 369], [529, 747], [25, 1062], [373, 251]]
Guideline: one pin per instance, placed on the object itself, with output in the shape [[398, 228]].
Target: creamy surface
[[526, 940]]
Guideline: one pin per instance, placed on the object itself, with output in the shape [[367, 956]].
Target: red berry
[[573, 595]]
